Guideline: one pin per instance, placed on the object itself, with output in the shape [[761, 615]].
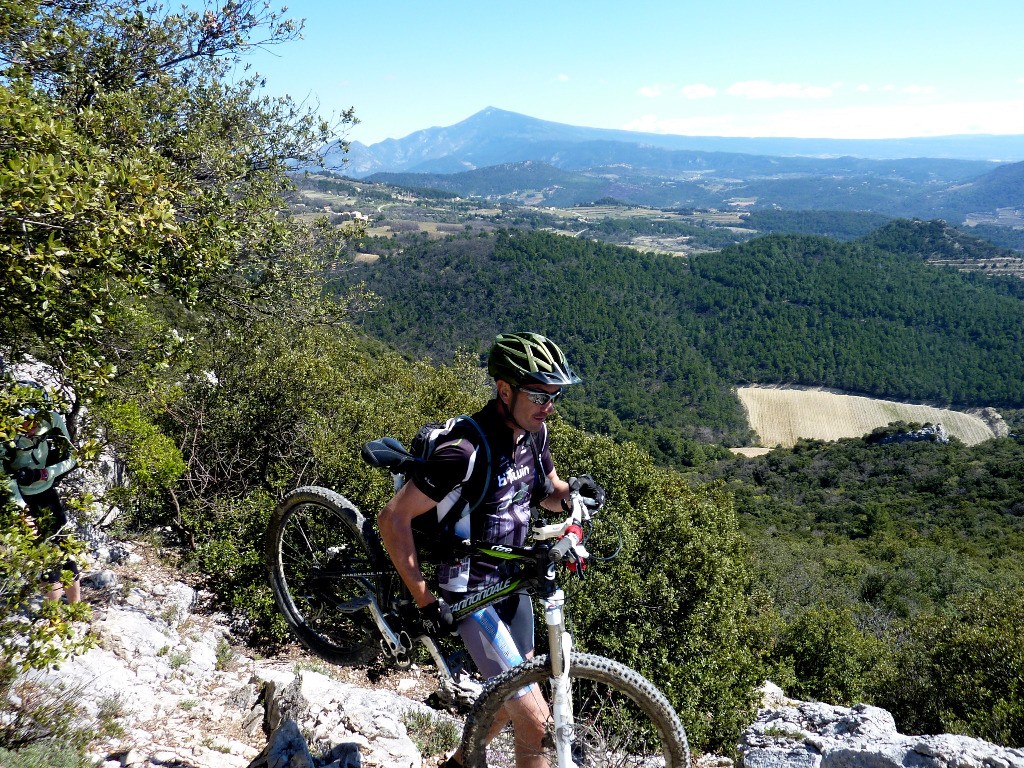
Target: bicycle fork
[[560, 653]]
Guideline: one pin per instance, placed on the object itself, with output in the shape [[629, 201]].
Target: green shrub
[[828, 657], [33, 634], [962, 670], [431, 735], [38, 724], [45, 754], [673, 604], [153, 460]]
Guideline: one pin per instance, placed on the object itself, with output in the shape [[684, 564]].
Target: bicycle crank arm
[[391, 643]]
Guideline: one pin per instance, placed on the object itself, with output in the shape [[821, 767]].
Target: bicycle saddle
[[388, 453]]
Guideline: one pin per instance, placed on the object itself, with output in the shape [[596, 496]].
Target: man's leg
[[498, 638], [51, 520], [529, 714]]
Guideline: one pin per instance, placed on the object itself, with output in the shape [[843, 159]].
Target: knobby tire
[[323, 557], [622, 719]]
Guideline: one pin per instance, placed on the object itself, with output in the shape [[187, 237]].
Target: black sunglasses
[[540, 398]]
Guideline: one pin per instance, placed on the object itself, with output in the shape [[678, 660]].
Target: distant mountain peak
[[494, 136]]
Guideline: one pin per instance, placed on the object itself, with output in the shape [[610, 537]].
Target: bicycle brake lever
[[543, 532], [578, 514]]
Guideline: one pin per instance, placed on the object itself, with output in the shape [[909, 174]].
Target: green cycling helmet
[[529, 358]]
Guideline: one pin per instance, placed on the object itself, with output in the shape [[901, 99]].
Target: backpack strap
[[531, 439], [486, 446], [542, 478]]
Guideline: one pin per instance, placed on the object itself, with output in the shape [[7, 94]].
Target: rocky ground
[[170, 683], [166, 687]]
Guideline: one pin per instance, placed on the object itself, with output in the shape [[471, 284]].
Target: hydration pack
[[435, 538]]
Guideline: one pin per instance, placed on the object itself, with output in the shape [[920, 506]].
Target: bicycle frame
[[535, 573], [541, 584]]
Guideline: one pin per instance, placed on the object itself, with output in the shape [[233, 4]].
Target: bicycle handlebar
[[562, 549], [570, 544]]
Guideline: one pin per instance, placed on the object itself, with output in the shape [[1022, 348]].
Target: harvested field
[[781, 415], [750, 452]]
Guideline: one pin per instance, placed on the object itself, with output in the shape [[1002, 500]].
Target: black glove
[[28, 475], [592, 493], [437, 618]]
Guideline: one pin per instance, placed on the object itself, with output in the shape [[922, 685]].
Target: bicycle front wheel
[[324, 560], [621, 719]]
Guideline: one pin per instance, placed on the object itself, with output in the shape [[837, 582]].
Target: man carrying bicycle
[[529, 372]]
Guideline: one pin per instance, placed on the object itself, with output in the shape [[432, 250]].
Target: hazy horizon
[[791, 69]]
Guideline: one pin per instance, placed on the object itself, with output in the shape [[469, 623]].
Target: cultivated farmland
[[781, 415]]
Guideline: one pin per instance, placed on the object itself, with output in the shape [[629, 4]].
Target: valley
[[435, 230]]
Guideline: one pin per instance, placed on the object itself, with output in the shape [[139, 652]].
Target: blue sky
[[864, 69]]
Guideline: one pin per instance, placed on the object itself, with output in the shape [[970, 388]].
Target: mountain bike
[[340, 594]]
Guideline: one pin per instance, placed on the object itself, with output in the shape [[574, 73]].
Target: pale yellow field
[[781, 415]]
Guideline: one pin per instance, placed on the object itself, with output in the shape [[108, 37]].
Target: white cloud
[[563, 78], [763, 89], [863, 88], [918, 89], [870, 122], [698, 91], [652, 91]]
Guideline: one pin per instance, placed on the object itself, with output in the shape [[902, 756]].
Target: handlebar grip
[[558, 552]]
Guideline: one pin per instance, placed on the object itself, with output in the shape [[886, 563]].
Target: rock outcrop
[[183, 696], [799, 734]]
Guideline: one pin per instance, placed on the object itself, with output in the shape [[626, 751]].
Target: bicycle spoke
[[621, 721], [322, 573]]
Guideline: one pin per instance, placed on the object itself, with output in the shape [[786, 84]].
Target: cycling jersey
[[518, 479]]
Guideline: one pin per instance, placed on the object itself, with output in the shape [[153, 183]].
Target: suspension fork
[[560, 653]]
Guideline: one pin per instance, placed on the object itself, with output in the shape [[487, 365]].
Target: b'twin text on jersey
[[512, 474]]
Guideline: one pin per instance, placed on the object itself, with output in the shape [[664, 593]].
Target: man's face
[[527, 415]]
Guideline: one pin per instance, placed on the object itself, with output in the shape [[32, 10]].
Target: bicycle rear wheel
[[324, 560], [621, 719]]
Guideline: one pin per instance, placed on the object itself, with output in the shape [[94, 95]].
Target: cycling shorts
[[499, 636]]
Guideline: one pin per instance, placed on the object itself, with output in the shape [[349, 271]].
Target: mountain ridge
[[492, 136]]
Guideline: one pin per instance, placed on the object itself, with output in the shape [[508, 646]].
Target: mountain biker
[[33, 462], [529, 372]]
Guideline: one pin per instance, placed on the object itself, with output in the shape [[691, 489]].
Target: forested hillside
[[878, 554], [840, 225], [660, 340]]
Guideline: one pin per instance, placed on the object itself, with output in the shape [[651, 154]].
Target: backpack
[[435, 539]]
